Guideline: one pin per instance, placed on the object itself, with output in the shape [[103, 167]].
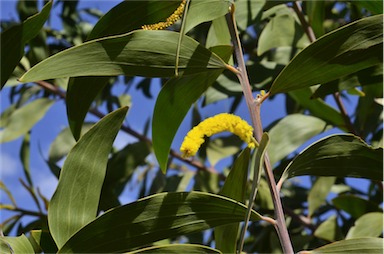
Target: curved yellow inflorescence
[[176, 15], [213, 125]]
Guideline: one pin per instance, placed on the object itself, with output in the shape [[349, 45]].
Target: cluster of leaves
[[85, 214]]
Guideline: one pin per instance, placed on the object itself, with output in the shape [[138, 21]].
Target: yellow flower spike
[[213, 125], [175, 16]]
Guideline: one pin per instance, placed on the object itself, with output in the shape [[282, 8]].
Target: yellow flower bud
[[213, 125]]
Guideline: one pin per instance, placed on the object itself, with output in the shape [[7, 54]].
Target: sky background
[[45, 131]]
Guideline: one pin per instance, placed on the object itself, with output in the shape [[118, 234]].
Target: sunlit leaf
[[368, 225], [290, 133], [226, 236], [357, 245], [14, 39], [23, 119], [329, 230], [76, 199], [139, 53], [155, 218], [223, 147], [346, 50], [205, 10], [341, 155], [15, 245], [176, 248]]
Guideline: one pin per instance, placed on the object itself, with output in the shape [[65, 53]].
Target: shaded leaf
[[76, 199], [172, 105], [316, 14], [354, 205], [155, 218], [177, 248], [15, 245], [358, 246], [346, 50], [14, 39], [368, 225], [205, 10], [329, 230], [318, 193], [218, 33], [25, 157], [226, 236], [341, 155], [24, 118], [290, 133]]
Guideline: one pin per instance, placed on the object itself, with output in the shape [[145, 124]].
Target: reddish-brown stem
[[254, 109]]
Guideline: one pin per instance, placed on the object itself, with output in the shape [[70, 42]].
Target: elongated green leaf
[[154, 218], [316, 14], [24, 118], [177, 248], [205, 10], [14, 39], [15, 245], [226, 236], [172, 105], [368, 225], [290, 133], [319, 192], [346, 50], [223, 147], [358, 246], [76, 199], [256, 168], [341, 155], [141, 53], [25, 157], [123, 18]]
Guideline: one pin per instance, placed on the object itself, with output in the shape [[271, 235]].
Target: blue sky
[[45, 131]]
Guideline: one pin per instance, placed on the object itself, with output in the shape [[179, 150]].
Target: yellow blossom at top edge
[[213, 125], [175, 16]]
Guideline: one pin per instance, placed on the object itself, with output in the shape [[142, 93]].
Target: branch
[[254, 109]]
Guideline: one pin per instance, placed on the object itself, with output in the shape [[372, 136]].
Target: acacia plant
[[217, 193]]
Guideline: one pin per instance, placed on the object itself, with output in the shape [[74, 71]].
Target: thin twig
[[312, 37], [195, 163], [254, 109]]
